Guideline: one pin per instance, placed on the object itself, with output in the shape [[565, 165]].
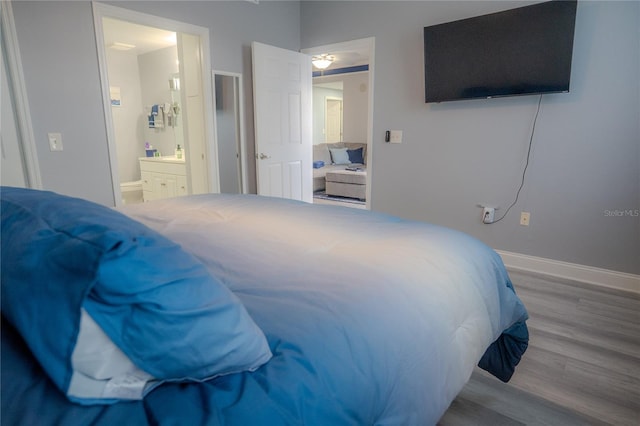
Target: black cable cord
[[526, 166]]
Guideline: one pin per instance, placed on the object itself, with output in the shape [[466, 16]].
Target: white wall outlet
[[488, 214], [395, 136], [55, 141], [524, 218]]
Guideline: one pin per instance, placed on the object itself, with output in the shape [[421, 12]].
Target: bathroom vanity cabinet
[[163, 177]]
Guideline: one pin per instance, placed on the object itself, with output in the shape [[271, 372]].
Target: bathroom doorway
[[156, 99]]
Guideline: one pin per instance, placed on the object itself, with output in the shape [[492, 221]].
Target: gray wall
[[585, 160], [58, 48], [356, 102]]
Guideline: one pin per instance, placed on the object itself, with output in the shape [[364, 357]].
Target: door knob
[[263, 156]]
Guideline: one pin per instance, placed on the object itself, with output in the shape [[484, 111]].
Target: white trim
[[243, 141], [19, 88], [587, 274], [98, 13], [101, 10]]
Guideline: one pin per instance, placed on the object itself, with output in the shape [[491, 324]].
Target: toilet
[[131, 192]]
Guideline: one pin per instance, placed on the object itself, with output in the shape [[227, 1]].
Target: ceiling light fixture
[[322, 61]]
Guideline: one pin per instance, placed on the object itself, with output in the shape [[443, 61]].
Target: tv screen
[[520, 51]]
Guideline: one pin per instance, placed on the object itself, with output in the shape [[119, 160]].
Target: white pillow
[[101, 369], [339, 156]]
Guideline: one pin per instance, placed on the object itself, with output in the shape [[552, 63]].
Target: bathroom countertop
[[163, 159]]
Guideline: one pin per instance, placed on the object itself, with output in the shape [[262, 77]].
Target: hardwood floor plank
[[606, 313], [615, 361], [465, 412], [592, 379], [487, 401], [586, 332], [582, 365]]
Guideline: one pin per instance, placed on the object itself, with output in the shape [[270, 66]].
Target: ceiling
[[349, 58], [145, 39]]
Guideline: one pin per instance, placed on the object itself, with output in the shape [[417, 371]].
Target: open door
[[193, 104], [282, 114]]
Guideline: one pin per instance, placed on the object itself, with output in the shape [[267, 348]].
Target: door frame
[[18, 89], [100, 11], [369, 44]]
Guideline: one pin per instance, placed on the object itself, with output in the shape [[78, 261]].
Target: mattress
[[369, 319]]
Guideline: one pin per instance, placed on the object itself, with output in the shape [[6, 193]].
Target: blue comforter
[[370, 319]]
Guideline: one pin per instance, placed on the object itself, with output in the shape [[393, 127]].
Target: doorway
[[355, 57], [173, 103], [229, 126]]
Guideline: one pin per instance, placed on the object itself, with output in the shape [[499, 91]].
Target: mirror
[[229, 127], [327, 111], [174, 114], [340, 107]]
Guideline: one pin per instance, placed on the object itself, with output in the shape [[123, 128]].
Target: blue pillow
[[355, 155], [339, 156], [158, 304]]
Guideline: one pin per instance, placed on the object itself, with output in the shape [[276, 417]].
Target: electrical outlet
[[488, 214], [524, 218]]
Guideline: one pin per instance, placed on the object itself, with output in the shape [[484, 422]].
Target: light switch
[[396, 136], [55, 142]]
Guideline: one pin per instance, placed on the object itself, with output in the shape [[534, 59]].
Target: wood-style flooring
[[582, 366]]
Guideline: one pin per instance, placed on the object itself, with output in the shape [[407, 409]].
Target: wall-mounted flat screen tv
[[520, 51]]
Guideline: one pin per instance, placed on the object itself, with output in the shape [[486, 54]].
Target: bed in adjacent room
[[243, 310]]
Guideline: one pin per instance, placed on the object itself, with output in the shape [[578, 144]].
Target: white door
[[195, 135], [333, 120], [282, 114]]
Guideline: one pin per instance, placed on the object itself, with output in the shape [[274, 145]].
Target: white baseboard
[[572, 271]]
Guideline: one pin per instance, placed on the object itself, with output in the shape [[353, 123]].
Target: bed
[[243, 310]]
